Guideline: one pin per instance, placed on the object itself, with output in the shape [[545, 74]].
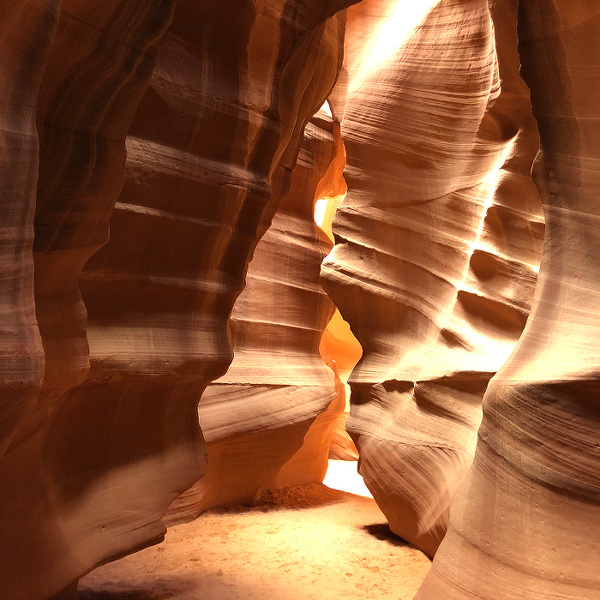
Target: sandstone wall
[[262, 420], [174, 127], [22, 64], [60, 477], [526, 521], [437, 245], [146, 148]]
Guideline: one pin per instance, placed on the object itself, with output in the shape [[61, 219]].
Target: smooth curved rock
[[526, 522], [99, 66], [436, 250], [22, 63], [210, 148], [436, 259], [270, 410], [60, 508]]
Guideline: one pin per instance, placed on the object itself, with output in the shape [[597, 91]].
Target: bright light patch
[[490, 184], [326, 109], [343, 475], [404, 17], [320, 208]]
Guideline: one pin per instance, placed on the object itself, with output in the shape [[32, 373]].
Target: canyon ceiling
[[165, 292]]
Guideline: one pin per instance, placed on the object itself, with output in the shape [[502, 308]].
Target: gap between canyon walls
[[177, 125], [269, 420]]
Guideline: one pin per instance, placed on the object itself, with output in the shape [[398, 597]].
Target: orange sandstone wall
[[526, 522], [263, 419], [147, 147], [437, 245], [67, 501], [26, 32], [173, 128]]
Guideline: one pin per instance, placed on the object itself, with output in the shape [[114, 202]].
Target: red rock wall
[[437, 244], [526, 522], [266, 410], [212, 114], [22, 63], [167, 136], [59, 508]]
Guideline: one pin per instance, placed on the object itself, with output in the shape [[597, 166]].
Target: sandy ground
[[309, 542]]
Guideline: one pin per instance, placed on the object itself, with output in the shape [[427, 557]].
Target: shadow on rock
[[383, 532], [137, 593]]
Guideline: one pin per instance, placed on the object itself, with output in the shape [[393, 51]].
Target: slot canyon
[[300, 299]]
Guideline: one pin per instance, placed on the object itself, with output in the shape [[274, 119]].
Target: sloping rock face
[[526, 522], [195, 133], [267, 409], [437, 245], [174, 126], [21, 352], [62, 476]]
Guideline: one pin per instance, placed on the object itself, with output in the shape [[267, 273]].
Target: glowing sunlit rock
[[275, 407], [526, 522], [436, 248]]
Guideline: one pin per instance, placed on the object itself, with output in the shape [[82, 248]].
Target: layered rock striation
[[60, 507], [526, 521], [22, 64], [437, 245], [146, 149], [274, 407], [176, 127]]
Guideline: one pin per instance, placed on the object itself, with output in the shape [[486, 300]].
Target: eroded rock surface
[[21, 352], [198, 162], [68, 501], [437, 245], [175, 127], [276, 405], [526, 522]]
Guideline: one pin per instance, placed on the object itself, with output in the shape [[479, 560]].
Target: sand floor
[[309, 542]]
